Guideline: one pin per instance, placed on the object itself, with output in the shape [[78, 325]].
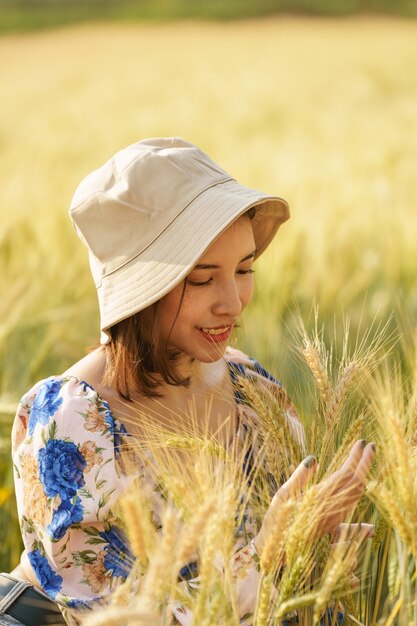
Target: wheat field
[[320, 111]]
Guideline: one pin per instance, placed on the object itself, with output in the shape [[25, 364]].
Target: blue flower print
[[118, 434], [61, 467], [263, 372], [50, 582], [82, 604], [67, 514], [188, 571], [119, 559], [109, 419], [46, 403]]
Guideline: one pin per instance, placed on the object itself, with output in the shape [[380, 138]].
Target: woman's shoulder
[[66, 400], [241, 363], [89, 368], [61, 406]]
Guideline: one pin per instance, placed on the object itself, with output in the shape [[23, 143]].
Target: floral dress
[[66, 447]]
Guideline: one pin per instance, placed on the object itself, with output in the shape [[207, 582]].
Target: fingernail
[[363, 443], [310, 460]]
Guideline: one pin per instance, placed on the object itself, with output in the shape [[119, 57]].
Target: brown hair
[[136, 359]]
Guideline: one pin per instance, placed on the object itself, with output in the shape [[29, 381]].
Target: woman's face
[[198, 318]]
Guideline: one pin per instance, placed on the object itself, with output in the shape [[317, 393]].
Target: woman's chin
[[205, 356]]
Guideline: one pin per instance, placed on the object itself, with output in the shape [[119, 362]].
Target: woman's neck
[[204, 378], [209, 396], [201, 376]]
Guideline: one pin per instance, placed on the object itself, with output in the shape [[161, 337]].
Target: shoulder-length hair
[[137, 361]]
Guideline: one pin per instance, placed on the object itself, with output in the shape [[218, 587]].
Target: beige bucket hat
[[150, 212]]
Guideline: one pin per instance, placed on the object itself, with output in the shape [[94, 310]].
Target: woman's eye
[[197, 283], [200, 283], [249, 271]]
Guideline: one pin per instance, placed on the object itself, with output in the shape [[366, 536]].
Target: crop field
[[320, 111]]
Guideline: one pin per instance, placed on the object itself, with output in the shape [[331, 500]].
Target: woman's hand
[[338, 494], [347, 541]]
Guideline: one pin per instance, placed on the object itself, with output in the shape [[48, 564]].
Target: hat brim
[[167, 260]]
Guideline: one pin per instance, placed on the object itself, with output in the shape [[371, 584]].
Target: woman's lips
[[216, 335]]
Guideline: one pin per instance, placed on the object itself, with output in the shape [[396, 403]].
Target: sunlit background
[[314, 101]]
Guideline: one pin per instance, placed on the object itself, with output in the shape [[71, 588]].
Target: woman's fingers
[[291, 488], [343, 489], [342, 478], [298, 479], [296, 482], [354, 490], [354, 582], [364, 465], [348, 541], [347, 470], [357, 532]]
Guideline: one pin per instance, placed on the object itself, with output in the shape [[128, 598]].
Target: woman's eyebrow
[[205, 266]]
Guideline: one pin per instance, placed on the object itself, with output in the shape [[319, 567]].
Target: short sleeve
[[65, 447]]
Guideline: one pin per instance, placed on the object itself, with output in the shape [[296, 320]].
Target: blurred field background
[[322, 111]]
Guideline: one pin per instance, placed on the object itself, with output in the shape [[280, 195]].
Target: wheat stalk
[[263, 600], [388, 505], [380, 532], [138, 530], [351, 435], [301, 533], [192, 535], [194, 444], [276, 433], [128, 616], [292, 579], [318, 369], [158, 579], [339, 566], [339, 391], [207, 571], [272, 551]]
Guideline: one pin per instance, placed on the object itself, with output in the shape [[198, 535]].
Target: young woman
[[172, 239]]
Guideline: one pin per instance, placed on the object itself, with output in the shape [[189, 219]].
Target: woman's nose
[[228, 301]]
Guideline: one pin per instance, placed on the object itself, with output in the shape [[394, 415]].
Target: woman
[[171, 239]]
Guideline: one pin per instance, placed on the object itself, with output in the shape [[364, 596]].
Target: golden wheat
[[132, 516], [318, 369], [273, 549], [264, 600], [337, 573], [158, 579], [191, 535]]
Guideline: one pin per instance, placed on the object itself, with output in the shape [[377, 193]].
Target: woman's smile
[[217, 335]]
